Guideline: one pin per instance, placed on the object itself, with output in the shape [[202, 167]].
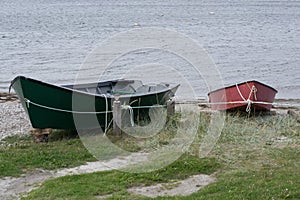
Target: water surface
[[247, 40]]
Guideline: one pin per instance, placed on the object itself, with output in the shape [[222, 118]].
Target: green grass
[[278, 180], [254, 158], [88, 186], [19, 155]]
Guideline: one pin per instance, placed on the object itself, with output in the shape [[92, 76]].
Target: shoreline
[[14, 120], [6, 96]]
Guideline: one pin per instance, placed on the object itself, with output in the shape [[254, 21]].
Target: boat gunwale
[[94, 95]]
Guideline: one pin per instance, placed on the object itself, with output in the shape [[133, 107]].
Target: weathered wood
[[40, 135], [117, 117], [294, 114], [4, 97], [170, 107]]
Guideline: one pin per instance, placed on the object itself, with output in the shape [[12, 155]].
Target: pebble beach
[[52, 41], [13, 119]]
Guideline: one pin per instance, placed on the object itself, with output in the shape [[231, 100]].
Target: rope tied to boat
[[28, 102], [131, 113], [276, 104], [249, 102], [128, 107]]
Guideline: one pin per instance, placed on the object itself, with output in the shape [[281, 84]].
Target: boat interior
[[118, 87]]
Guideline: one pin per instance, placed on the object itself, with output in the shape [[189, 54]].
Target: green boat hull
[[59, 107]]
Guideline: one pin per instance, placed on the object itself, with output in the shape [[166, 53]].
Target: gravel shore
[[13, 119]]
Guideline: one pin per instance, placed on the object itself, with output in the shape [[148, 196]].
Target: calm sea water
[[247, 40]]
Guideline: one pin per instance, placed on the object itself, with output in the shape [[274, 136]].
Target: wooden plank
[[40, 135]]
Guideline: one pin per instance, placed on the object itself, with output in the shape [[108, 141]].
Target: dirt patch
[[179, 188], [12, 188]]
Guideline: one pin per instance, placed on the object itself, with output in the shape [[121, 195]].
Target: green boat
[[57, 106]]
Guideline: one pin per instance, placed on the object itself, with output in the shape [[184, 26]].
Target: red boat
[[246, 95]]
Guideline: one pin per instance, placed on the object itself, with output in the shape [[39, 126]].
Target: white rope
[[130, 113], [106, 113], [252, 102], [108, 126], [238, 89], [225, 103], [154, 106], [253, 90], [28, 102], [130, 108], [248, 101]]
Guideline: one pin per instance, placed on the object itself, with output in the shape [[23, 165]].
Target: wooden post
[[170, 107], [117, 113]]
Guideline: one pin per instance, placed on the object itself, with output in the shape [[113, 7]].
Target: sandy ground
[[179, 188]]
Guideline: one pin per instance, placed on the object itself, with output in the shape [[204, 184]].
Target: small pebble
[[13, 119]]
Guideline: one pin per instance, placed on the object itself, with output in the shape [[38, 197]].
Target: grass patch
[[88, 186], [278, 180], [19, 155], [256, 157], [247, 142]]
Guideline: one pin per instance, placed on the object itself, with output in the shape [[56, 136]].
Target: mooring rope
[[28, 102], [130, 108], [253, 90], [106, 112], [131, 113], [288, 105], [238, 89], [153, 106], [248, 101], [244, 102]]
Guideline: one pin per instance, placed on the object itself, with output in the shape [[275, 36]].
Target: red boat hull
[[250, 94]]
